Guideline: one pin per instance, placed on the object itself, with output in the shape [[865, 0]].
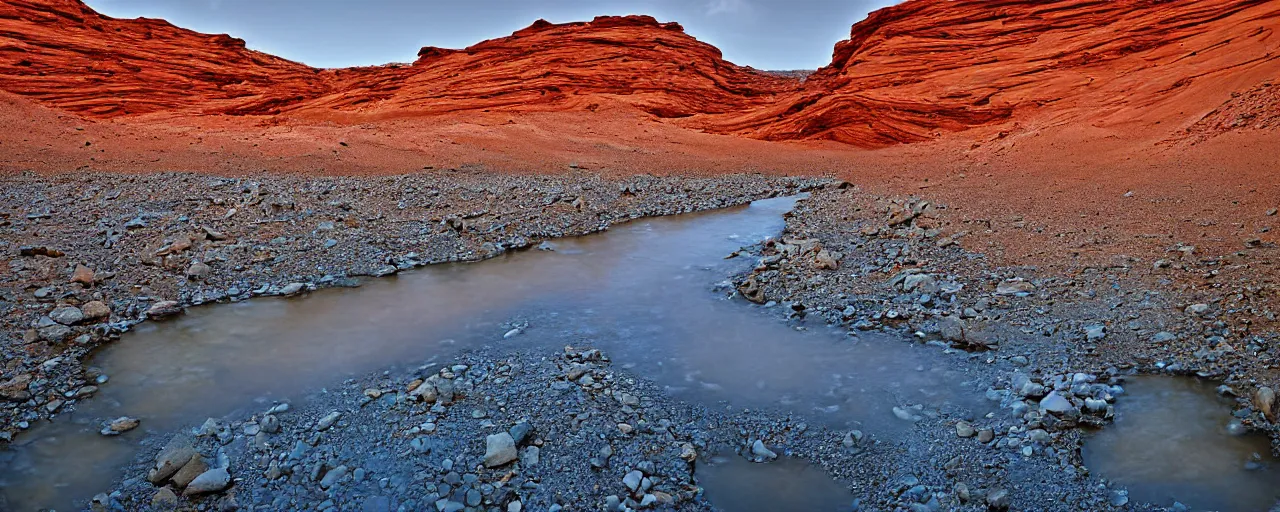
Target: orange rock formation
[[908, 73]]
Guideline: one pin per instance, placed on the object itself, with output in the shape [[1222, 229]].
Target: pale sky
[[765, 34]]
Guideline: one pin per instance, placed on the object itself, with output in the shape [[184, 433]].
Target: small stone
[[164, 309], [333, 477], [292, 289], [964, 429], [213, 480], [761, 452], [194, 467], [170, 459], [212, 234], [328, 420], [1055, 403], [55, 333], [1198, 309], [520, 432], [123, 424], [164, 499], [986, 435], [95, 310], [83, 275], [66, 315], [499, 449], [1265, 399], [998, 499], [198, 270], [1015, 287], [1095, 332], [632, 480]]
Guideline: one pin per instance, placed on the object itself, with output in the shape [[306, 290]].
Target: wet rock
[[119, 425], [292, 289], [761, 453], [66, 315], [164, 309], [752, 291], [964, 429], [986, 435], [499, 449], [211, 481]]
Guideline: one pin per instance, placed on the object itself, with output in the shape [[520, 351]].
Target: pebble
[[500, 449], [213, 480], [964, 429], [333, 477], [1056, 403], [164, 309], [121, 424], [95, 310], [328, 420], [83, 275], [761, 452], [66, 315], [998, 499]]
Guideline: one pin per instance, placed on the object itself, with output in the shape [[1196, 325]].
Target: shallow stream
[[644, 292]]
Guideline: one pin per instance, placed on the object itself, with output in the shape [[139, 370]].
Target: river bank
[[1046, 357]]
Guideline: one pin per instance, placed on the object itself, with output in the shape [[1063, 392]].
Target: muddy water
[[734, 484], [643, 292], [1170, 442]]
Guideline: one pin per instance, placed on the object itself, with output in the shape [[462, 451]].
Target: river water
[[650, 293]]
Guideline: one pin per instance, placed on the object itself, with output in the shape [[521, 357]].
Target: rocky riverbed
[[901, 269], [527, 429], [86, 256]]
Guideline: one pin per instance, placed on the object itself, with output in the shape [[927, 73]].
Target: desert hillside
[[907, 73]]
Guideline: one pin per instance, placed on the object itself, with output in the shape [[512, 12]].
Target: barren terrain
[[1118, 158]]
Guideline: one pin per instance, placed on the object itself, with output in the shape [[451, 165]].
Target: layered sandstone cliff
[[908, 73]]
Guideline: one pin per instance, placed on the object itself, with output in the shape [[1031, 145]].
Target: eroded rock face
[[907, 73], [653, 66], [915, 70]]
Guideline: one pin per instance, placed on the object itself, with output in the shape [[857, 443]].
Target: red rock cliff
[[907, 73], [914, 70], [67, 55]]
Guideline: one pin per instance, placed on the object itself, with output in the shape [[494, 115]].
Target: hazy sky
[[766, 34]]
